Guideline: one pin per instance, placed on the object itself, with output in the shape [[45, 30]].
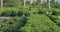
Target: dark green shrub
[[9, 11], [20, 13], [25, 11], [13, 13], [13, 24], [55, 18], [45, 11], [56, 11], [8, 5], [5, 14]]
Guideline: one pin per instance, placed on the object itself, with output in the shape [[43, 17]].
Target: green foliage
[[45, 11], [8, 11], [14, 11], [12, 3], [27, 11], [13, 24], [40, 23], [55, 18], [35, 14], [56, 11], [8, 5]]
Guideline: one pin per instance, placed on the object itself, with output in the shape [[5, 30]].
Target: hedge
[[45, 11], [13, 24], [40, 23], [52, 11], [56, 11], [7, 11], [55, 18], [14, 11]]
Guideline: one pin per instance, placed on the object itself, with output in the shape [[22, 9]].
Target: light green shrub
[[40, 23]]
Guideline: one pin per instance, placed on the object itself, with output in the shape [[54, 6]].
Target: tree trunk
[[1, 3], [41, 1], [24, 3], [49, 4]]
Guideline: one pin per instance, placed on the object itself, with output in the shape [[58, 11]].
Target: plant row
[[13, 24], [27, 11]]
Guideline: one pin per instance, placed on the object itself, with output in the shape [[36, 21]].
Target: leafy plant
[[40, 23]]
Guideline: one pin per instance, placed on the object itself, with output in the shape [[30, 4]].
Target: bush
[[55, 18], [9, 11], [6, 13], [8, 5], [56, 11], [45, 11], [34, 10], [14, 12], [24, 11], [40, 23], [13, 24]]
